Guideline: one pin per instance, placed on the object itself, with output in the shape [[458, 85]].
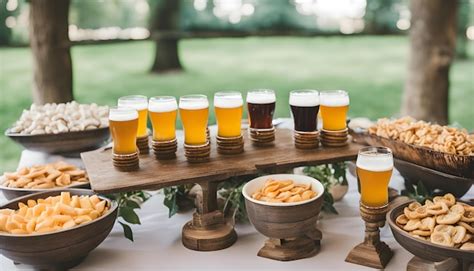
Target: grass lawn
[[372, 69]]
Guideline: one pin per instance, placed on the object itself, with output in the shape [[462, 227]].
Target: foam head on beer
[[123, 125], [140, 103], [334, 107], [228, 106], [374, 169], [261, 107], [163, 112], [194, 111], [304, 106]]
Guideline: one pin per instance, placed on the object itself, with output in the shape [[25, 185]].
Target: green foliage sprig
[[127, 203], [417, 192]]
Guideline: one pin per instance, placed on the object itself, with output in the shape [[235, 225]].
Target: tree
[[50, 45], [432, 50], [164, 29], [463, 23]]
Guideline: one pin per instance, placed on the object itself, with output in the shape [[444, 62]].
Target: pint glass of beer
[[123, 124], [334, 107], [261, 106], [228, 106], [139, 103], [194, 112], [163, 111], [304, 106], [374, 169]]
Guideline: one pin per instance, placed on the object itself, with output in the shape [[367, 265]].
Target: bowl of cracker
[[64, 128], [28, 180], [439, 229], [283, 205], [55, 229]]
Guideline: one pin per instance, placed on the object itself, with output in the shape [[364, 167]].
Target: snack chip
[[284, 191]]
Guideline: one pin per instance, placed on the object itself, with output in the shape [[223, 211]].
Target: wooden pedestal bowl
[[68, 144], [11, 193], [291, 227], [424, 249], [61, 249]]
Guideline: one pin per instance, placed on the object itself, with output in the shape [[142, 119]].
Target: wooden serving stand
[[209, 229]]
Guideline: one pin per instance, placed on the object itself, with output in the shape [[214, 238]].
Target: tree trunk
[[433, 40], [166, 19], [50, 45]]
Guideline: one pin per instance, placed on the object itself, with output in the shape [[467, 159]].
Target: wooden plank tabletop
[[154, 174]]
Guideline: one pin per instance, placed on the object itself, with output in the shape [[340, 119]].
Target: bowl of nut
[[55, 229], [28, 180], [285, 208], [67, 128], [439, 229]]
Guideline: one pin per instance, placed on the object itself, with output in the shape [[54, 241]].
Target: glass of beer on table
[[139, 103], [123, 125], [228, 107], [261, 106], [374, 169], [334, 107], [163, 111], [304, 106], [194, 112]]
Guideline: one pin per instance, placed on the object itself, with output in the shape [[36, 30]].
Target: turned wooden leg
[[418, 264], [372, 252], [208, 230]]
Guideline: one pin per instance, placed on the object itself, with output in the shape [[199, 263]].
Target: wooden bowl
[[12, 193], [421, 248], [283, 220], [69, 143], [457, 165], [432, 179], [57, 250]]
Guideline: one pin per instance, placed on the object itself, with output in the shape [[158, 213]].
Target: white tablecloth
[[158, 245]]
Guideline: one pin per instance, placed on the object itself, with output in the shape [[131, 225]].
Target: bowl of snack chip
[[55, 229], [57, 175], [439, 229], [66, 128], [283, 206]]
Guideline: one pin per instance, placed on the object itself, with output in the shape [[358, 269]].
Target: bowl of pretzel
[[55, 230], [436, 230], [442, 148], [57, 175]]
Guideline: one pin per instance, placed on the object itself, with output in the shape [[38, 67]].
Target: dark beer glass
[[304, 106], [261, 106]]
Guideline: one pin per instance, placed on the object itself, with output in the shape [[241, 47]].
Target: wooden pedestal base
[[262, 137], [306, 140], [230, 145], [165, 150], [372, 252], [419, 264], [126, 162], [197, 153], [334, 138], [143, 145], [292, 249]]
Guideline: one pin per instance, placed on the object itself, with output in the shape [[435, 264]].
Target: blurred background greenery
[[357, 45]]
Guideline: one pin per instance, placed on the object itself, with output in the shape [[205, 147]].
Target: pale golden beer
[[139, 103], [194, 112], [374, 169], [123, 124], [334, 107], [163, 111], [228, 106]]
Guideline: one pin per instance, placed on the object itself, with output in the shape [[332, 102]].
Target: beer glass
[[261, 106], [334, 107], [123, 124], [374, 169], [163, 111], [194, 112], [304, 106], [139, 103], [228, 107]]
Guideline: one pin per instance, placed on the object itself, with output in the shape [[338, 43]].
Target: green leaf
[[127, 231], [170, 200], [129, 215], [132, 204]]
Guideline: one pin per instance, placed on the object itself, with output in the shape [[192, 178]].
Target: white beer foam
[[123, 115], [228, 101], [261, 97], [162, 106], [304, 99], [375, 162], [138, 104], [334, 99], [194, 104]]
